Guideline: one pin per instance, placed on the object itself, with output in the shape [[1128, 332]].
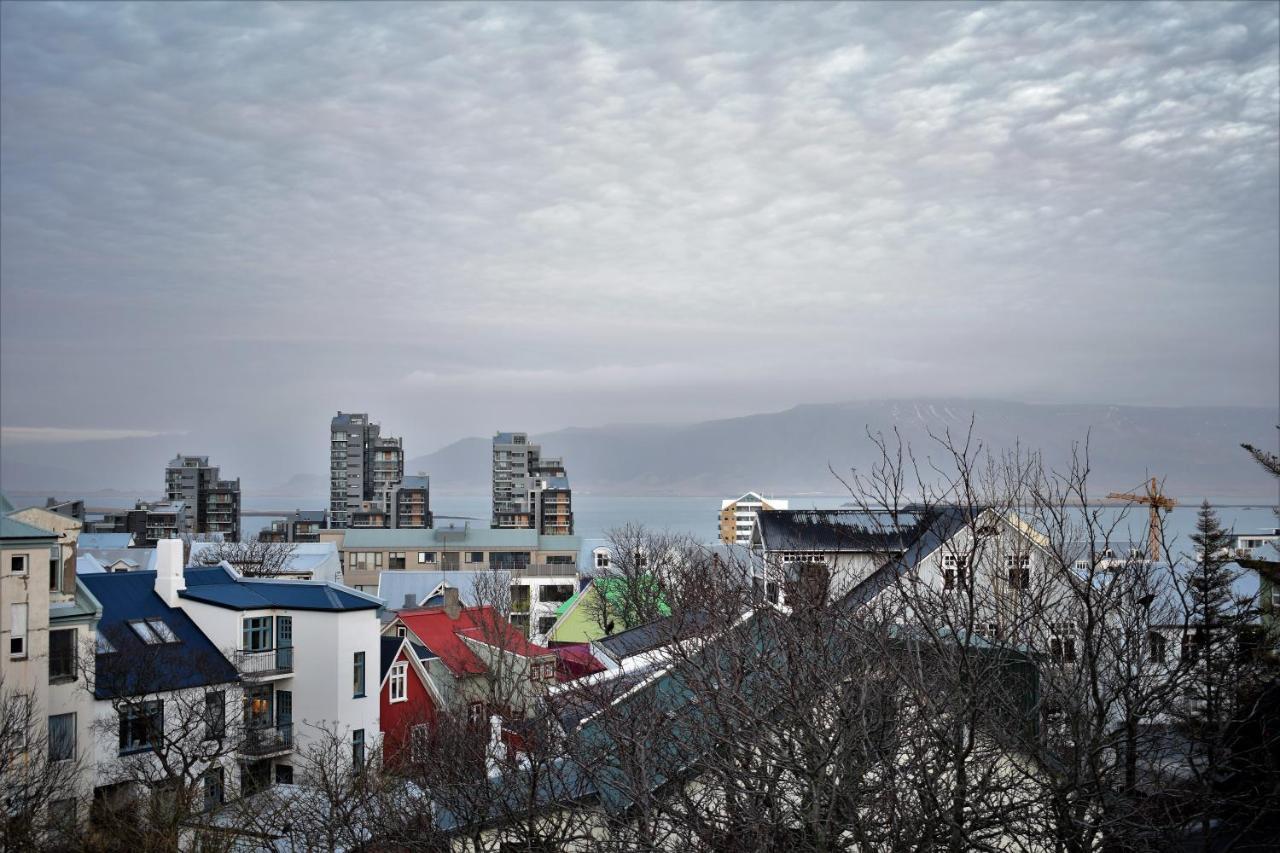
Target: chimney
[[451, 605], [169, 580], [409, 603]]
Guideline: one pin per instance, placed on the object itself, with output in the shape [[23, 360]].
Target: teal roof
[[5, 505], [458, 538], [11, 528]]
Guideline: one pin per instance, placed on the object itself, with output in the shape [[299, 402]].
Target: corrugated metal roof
[[136, 667], [103, 540], [11, 528], [455, 537], [222, 588], [393, 587]]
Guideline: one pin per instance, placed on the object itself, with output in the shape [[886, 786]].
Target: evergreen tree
[[1215, 669]]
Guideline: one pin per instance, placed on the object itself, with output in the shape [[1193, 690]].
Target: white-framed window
[[1019, 566], [18, 564], [602, 559], [401, 631], [1158, 646], [18, 630], [153, 632], [426, 557], [398, 683], [955, 571], [475, 556], [1062, 643], [475, 713], [544, 671], [62, 737]]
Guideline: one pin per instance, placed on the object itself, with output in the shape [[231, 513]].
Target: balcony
[[264, 664], [265, 741]]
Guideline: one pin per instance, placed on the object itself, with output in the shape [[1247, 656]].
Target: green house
[[578, 620]]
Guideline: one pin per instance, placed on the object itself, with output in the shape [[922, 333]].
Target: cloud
[[71, 435], [290, 208]]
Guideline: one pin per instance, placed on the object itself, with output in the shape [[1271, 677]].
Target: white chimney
[[169, 579]]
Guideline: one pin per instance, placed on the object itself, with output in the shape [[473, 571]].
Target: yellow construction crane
[[1156, 501]]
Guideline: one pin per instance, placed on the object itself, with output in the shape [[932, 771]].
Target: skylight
[[153, 632]]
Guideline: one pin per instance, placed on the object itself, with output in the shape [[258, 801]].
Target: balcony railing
[[269, 662], [267, 740]]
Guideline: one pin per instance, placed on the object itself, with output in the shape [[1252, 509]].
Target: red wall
[[399, 718]]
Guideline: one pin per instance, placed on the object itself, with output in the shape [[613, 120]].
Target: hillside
[[792, 452]]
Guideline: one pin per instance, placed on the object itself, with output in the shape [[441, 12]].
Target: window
[[395, 560], [214, 788], [18, 564], [1158, 646], [284, 774], [475, 556], [104, 646], [475, 714], [215, 715], [357, 748], [140, 725], [257, 633], [602, 559], [546, 623], [955, 571], [398, 683], [1193, 643], [62, 737], [558, 593], [55, 573], [365, 561], [1019, 566], [543, 670], [17, 630], [1062, 644], [426, 556], [62, 655], [993, 630], [357, 676]]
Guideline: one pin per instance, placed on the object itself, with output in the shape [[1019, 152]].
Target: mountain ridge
[[1194, 448]]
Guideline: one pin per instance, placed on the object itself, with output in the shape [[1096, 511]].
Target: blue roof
[[137, 668], [393, 586], [222, 588], [390, 648], [104, 540]]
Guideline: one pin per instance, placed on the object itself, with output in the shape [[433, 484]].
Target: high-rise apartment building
[[365, 469], [210, 503], [530, 491], [413, 503]]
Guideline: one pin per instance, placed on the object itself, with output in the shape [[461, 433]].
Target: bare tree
[[251, 558], [36, 778], [174, 738]]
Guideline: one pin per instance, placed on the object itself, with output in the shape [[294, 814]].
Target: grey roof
[[655, 635], [417, 481], [507, 437], [421, 586], [143, 558]]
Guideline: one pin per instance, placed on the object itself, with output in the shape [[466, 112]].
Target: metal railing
[[268, 662], [267, 740]]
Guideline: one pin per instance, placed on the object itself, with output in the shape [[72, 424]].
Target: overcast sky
[[241, 218]]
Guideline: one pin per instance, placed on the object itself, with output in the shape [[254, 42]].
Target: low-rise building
[[303, 525], [543, 569], [738, 516], [477, 663]]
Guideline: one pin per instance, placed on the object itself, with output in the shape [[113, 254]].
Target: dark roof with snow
[[839, 530]]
